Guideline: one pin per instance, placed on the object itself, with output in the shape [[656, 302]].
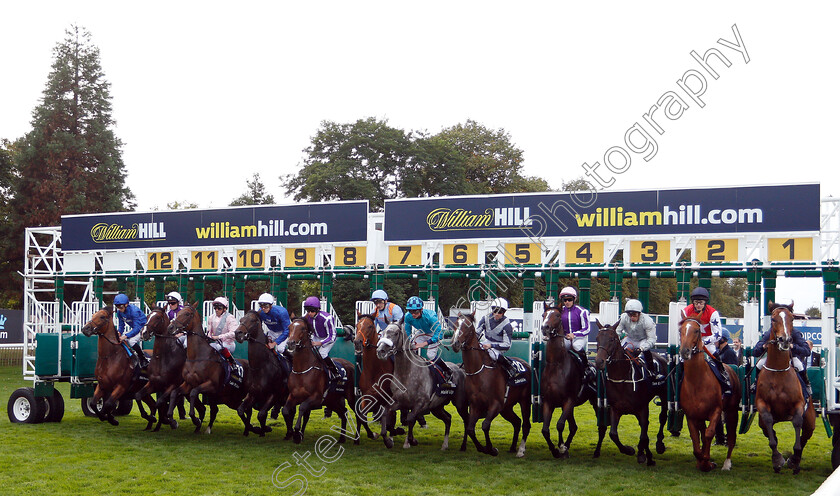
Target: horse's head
[[366, 335], [250, 327], [187, 321], [300, 334], [691, 341], [99, 323], [608, 344], [156, 324], [465, 336], [392, 340], [781, 325], [552, 326]]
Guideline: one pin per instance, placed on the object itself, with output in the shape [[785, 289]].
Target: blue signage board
[[11, 326], [336, 222], [749, 209]]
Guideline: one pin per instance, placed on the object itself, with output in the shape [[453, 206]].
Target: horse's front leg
[[568, 415], [663, 420], [469, 428], [441, 413], [709, 435], [303, 412], [111, 402], [195, 404], [767, 423], [615, 417], [289, 417], [516, 422], [389, 413], [243, 408], [485, 426], [178, 393], [150, 417], [548, 411], [262, 414], [214, 410], [644, 453]]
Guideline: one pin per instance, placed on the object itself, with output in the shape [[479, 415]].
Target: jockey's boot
[[588, 373], [726, 385], [144, 362], [506, 364], [226, 353], [804, 375], [754, 383], [447, 372], [650, 364]]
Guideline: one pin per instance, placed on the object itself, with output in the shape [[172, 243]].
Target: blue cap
[[724, 334]]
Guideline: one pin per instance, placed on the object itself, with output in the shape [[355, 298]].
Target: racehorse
[[560, 383], [168, 357], [117, 373], [700, 397], [268, 378], [308, 384], [488, 394], [374, 370], [204, 373], [778, 396], [629, 392], [411, 387]]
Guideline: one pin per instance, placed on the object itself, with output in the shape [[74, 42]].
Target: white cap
[[499, 303], [266, 298], [176, 295], [222, 300]]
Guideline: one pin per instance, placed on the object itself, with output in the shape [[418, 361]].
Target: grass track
[[84, 456]]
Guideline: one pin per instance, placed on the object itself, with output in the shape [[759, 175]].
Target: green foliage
[[181, 205], [70, 162], [813, 312], [254, 194], [371, 160]]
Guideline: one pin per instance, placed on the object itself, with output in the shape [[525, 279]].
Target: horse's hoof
[[173, 424], [298, 437], [389, 443], [596, 454], [660, 448], [520, 454], [641, 458], [266, 429], [342, 440], [555, 453], [399, 431], [493, 452], [413, 441], [208, 430], [564, 455], [463, 447], [627, 450], [287, 436], [727, 465], [650, 462], [113, 421]]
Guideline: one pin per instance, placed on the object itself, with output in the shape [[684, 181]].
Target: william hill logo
[[459, 219], [103, 233]]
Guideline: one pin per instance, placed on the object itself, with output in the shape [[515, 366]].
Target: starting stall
[[489, 242]]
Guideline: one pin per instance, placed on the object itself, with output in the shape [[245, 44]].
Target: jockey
[[385, 311], [727, 355], [221, 326], [131, 315], [710, 329], [277, 322], [639, 330], [799, 351], [428, 329], [324, 337], [575, 321], [497, 334], [174, 304]]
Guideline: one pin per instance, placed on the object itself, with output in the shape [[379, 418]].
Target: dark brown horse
[[488, 394], [629, 392], [778, 395], [268, 386], [701, 400], [308, 384], [560, 383], [204, 373], [371, 383], [117, 375], [166, 365]]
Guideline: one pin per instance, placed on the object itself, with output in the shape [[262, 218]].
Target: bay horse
[[412, 388], [166, 365], [308, 384], [701, 400], [268, 383], [117, 375], [374, 371], [560, 383], [778, 396], [204, 373], [488, 393], [629, 392]]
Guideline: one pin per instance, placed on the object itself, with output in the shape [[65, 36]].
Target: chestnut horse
[[778, 396], [560, 383], [115, 370], [629, 392], [488, 394], [309, 381], [204, 373], [168, 357], [374, 373], [701, 399], [268, 379]]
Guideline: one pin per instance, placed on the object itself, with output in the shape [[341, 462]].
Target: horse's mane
[[774, 306], [368, 316], [309, 327]]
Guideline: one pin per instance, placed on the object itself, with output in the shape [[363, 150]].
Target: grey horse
[[411, 387]]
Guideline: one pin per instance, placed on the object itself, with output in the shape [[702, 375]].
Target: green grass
[[84, 456]]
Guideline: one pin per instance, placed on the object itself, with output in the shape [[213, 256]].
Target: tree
[[350, 162], [813, 312], [70, 162], [254, 194]]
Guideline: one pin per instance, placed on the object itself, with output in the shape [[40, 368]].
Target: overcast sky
[[205, 94]]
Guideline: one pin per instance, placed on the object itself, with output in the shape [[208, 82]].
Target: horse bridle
[[553, 332], [364, 338], [693, 351], [295, 344], [464, 345], [96, 330], [165, 335], [782, 343]]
